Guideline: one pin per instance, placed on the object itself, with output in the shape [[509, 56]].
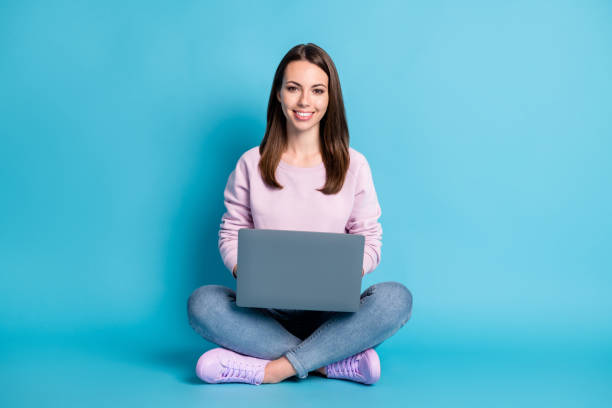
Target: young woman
[[303, 176]]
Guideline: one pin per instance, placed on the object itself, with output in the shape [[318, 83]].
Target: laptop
[[299, 270]]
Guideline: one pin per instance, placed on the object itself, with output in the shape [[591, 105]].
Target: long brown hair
[[333, 130]]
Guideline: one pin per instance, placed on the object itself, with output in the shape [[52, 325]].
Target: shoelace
[[236, 370], [347, 367]]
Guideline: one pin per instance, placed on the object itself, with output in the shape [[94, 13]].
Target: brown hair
[[333, 130]]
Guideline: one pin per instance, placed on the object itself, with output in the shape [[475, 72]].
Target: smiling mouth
[[303, 115]]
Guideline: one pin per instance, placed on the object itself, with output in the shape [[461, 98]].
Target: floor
[[108, 369]]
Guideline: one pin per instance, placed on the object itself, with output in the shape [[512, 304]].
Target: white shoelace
[[347, 367], [237, 370]]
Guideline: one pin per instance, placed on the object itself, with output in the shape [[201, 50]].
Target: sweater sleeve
[[237, 215], [364, 218]]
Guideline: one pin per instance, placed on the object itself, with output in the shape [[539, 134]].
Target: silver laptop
[[299, 270]]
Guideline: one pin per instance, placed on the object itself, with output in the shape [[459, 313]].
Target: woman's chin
[[302, 127]]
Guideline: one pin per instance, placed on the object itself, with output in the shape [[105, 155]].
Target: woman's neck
[[303, 145]]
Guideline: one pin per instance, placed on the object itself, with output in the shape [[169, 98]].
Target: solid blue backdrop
[[486, 125]]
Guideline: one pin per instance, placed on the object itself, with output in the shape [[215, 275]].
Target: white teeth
[[303, 114]]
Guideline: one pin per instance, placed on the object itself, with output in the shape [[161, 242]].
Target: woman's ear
[[278, 95]]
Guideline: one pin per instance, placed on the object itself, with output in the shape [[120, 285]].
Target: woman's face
[[303, 95]]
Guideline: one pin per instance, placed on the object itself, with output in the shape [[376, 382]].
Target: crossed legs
[[385, 307]]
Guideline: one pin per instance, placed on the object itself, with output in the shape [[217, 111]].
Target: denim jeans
[[309, 339]]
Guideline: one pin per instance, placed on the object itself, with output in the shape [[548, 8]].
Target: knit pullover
[[299, 206]]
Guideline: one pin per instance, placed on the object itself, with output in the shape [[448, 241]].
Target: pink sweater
[[299, 206]]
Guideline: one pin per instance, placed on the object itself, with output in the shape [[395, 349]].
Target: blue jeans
[[309, 339]]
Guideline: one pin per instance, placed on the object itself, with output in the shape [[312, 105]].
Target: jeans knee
[[397, 299], [203, 302]]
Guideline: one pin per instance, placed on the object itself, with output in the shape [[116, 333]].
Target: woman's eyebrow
[[298, 84]]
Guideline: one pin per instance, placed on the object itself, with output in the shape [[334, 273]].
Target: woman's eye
[[291, 88], [318, 91]]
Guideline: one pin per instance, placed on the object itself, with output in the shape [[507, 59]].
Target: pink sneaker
[[220, 365], [363, 367]]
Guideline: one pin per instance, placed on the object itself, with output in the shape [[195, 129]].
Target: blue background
[[487, 126]]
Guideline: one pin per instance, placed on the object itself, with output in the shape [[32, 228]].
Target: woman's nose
[[304, 100]]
